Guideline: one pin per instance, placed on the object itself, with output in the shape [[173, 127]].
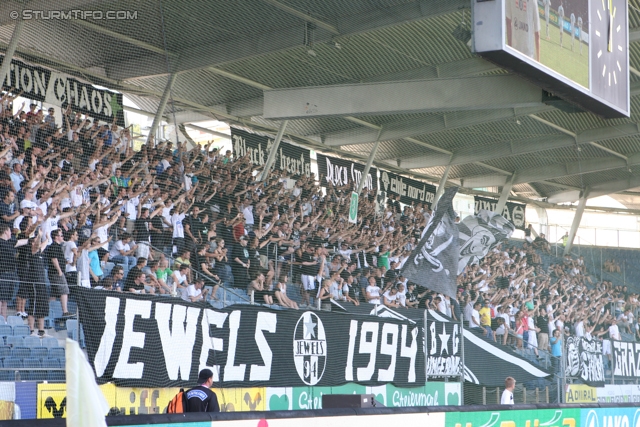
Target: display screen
[[575, 49], [555, 35]]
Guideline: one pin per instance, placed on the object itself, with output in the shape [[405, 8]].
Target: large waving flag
[[86, 405], [434, 262], [479, 234]]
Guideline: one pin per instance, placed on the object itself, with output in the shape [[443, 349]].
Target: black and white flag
[[584, 360], [479, 234], [433, 264]]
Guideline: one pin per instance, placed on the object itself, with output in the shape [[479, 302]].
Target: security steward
[[201, 398]]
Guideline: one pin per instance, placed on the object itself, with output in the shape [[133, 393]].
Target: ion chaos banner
[[40, 84], [290, 158], [584, 360], [513, 212], [339, 172], [409, 190], [152, 341]]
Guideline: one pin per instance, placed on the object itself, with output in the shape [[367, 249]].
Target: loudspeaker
[[350, 401]]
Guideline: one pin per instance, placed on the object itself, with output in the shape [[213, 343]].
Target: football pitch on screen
[[562, 59]]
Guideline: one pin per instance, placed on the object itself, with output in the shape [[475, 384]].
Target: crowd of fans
[[79, 207]]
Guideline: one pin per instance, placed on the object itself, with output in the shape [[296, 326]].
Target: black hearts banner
[[290, 158]]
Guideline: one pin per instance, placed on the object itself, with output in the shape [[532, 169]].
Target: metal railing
[[596, 236], [225, 289]]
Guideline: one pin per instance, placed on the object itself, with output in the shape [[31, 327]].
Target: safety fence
[[144, 347], [471, 416]]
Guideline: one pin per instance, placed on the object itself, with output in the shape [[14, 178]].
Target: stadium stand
[[158, 219]]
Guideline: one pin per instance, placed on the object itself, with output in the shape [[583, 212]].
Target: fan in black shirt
[[201, 398], [8, 275]]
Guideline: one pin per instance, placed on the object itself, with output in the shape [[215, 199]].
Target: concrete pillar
[[367, 167], [504, 196], [443, 181], [11, 49], [274, 150], [163, 103], [576, 220]]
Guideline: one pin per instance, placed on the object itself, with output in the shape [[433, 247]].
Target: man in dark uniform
[[201, 398], [8, 273], [56, 262]]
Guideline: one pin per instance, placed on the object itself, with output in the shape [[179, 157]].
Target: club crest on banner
[[513, 212], [518, 216], [310, 348], [385, 181]]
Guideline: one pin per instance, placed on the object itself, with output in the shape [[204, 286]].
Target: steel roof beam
[[306, 17], [464, 67], [564, 196], [203, 56], [568, 132], [139, 43], [602, 189], [189, 117], [557, 170], [526, 146], [427, 125], [484, 181], [435, 123], [464, 93]]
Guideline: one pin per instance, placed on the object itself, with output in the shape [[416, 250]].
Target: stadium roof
[[226, 54]]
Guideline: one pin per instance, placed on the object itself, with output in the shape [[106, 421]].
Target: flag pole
[[424, 347], [461, 360]]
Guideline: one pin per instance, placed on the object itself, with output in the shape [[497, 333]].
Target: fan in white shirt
[[507, 394], [194, 292], [614, 332]]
